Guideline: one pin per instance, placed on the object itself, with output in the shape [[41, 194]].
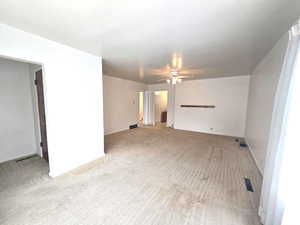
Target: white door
[[149, 108]]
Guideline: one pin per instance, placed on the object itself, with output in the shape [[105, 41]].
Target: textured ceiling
[[135, 37]]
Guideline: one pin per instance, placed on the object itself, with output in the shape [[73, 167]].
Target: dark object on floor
[[243, 144], [133, 126], [163, 118], [25, 158], [236, 140], [248, 185]]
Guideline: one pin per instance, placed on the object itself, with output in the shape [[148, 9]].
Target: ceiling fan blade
[[157, 72], [187, 72], [160, 74]]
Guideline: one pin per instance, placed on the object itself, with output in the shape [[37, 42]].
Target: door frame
[[140, 96], [33, 93], [34, 97], [36, 109], [39, 88], [149, 108], [154, 102], [171, 101]]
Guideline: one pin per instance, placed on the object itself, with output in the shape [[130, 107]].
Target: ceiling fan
[[174, 74]]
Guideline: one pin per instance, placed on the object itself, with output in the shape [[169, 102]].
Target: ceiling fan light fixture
[[174, 79], [174, 73]]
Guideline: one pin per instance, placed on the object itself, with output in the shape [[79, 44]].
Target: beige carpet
[[154, 176]]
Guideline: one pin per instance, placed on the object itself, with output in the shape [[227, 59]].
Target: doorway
[[153, 108], [141, 108], [41, 112], [23, 137], [161, 105]]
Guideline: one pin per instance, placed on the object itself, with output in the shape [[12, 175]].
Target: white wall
[[121, 103], [263, 84], [161, 103], [229, 95], [73, 95], [17, 134]]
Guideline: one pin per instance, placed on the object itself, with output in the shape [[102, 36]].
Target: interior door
[[149, 108], [42, 115]]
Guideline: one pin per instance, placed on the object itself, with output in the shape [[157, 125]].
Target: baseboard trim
[[68, 170], [261, 214], [207, 132], [115, 131], [19, 157], [254, 158]]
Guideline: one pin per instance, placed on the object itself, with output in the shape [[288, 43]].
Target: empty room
[[149, 112]]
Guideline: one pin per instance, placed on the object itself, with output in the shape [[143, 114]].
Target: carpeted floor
[[150, 176]]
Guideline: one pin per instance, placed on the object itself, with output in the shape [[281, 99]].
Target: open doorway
[[161, 104], [23, 136], [39, 92], [153, 107], [141, 108]]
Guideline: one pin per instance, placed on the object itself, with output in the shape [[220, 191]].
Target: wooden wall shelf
[[198, 106]]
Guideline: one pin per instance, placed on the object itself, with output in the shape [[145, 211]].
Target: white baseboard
[[261, 214], [54, 174], [253, 157], [209, 132], [115, 131], [19, 157]]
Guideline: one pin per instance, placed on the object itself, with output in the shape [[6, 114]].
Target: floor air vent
[[248, 185], [243, 145], [133, 126], [25, 158]]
